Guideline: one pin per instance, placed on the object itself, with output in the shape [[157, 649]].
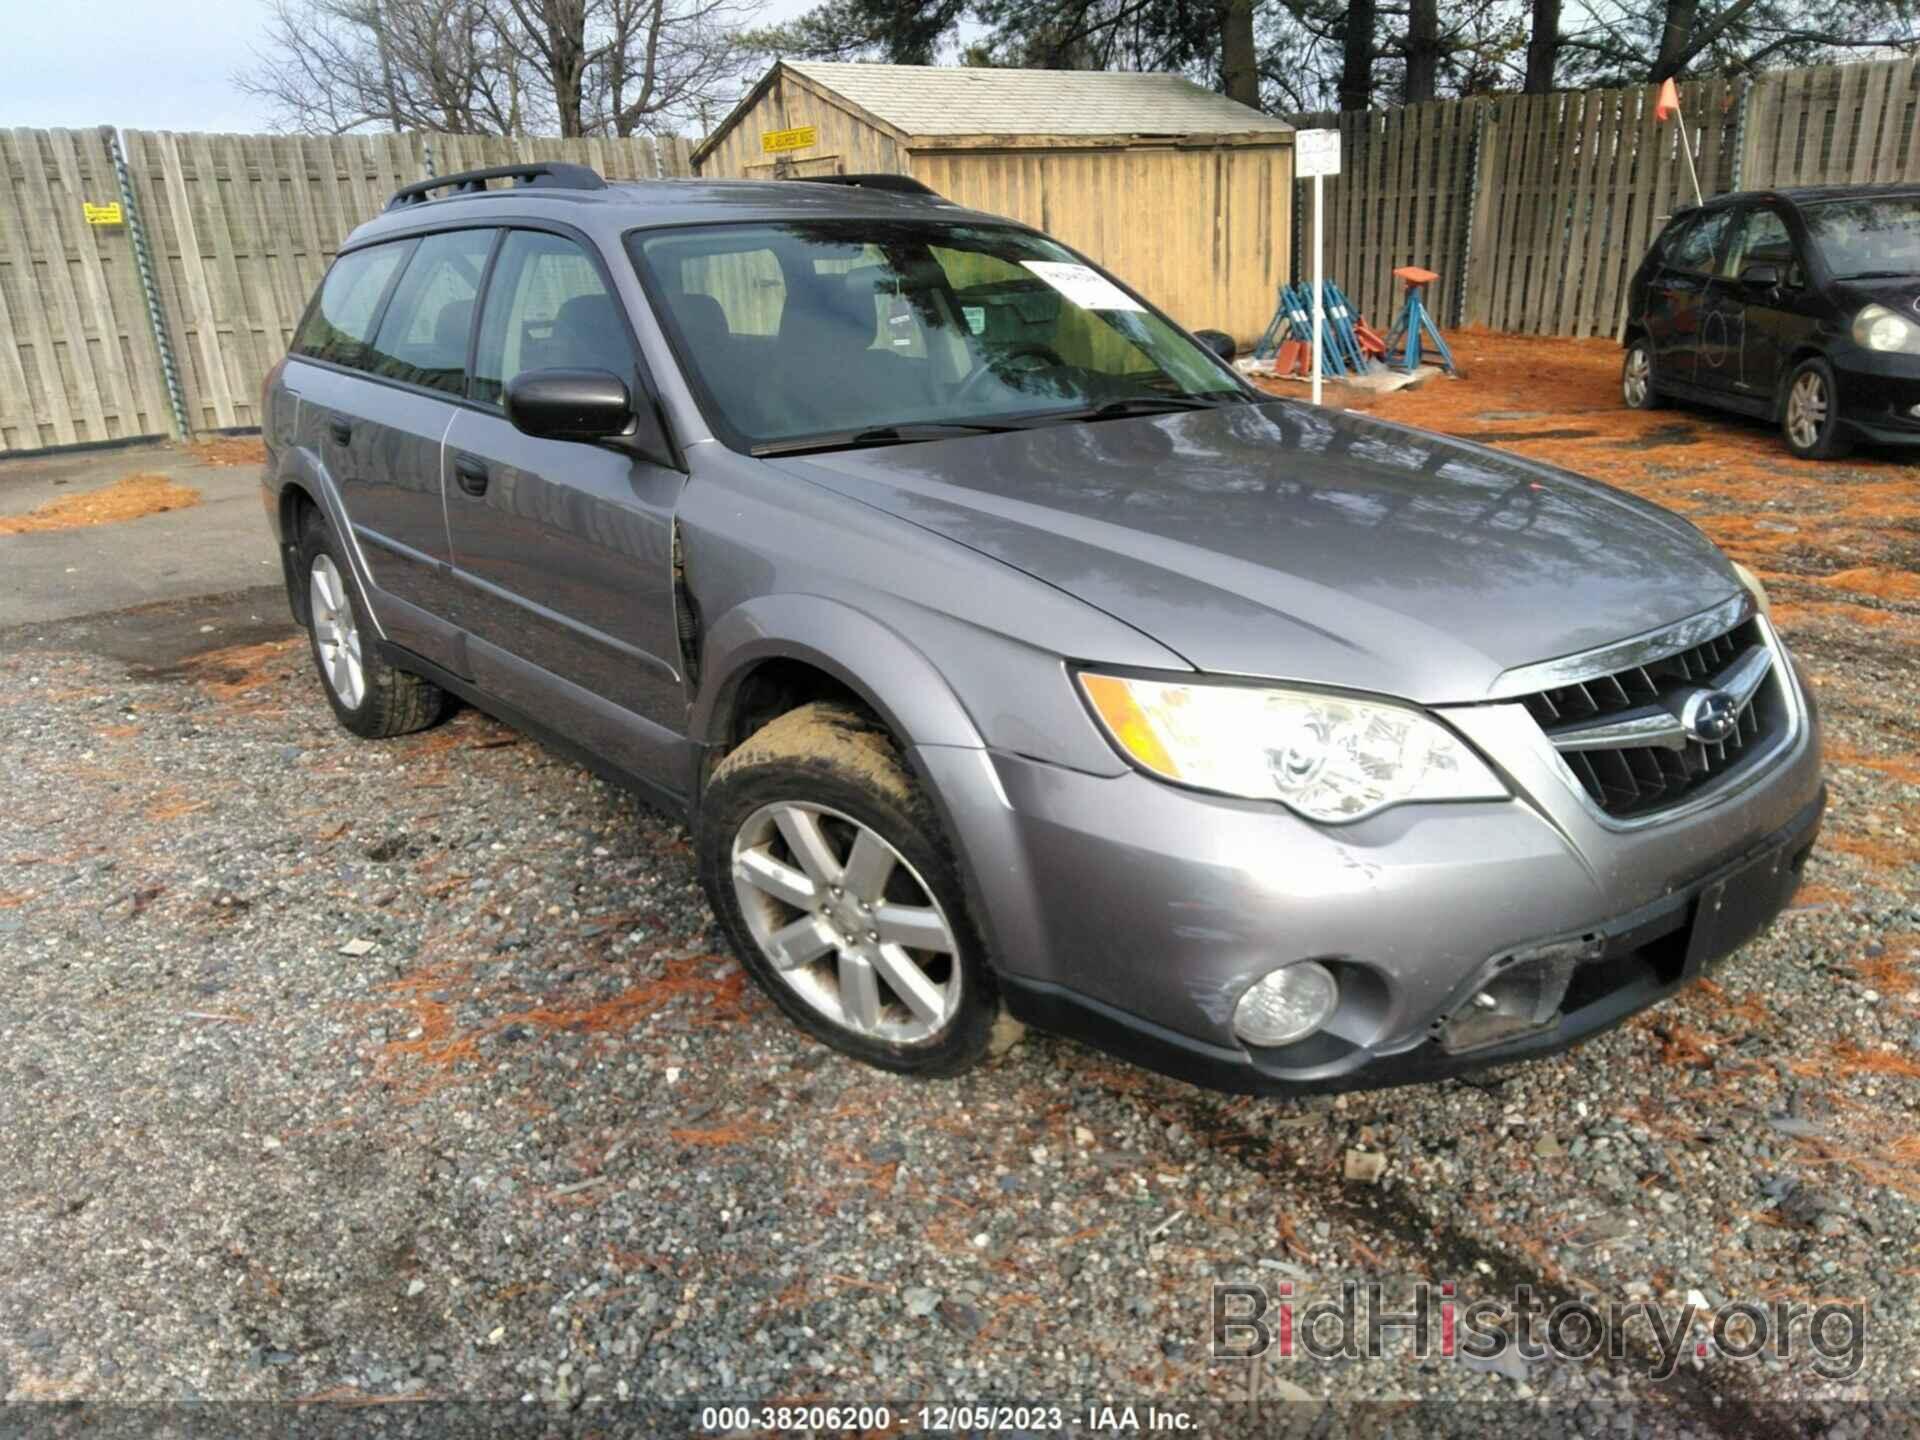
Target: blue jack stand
[[1405, 342]]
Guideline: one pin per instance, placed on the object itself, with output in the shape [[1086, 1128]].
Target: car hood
[[1898, 294], [1291, 542]]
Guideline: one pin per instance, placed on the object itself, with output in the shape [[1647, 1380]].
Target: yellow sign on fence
[[801, 137], [108, 214]]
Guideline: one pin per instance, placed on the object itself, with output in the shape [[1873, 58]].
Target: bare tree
[[665, 65], [1626, 42], [1543, 47], [495, 67]]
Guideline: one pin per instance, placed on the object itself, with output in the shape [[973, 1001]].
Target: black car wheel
[[1810, 418], [1636, 378]]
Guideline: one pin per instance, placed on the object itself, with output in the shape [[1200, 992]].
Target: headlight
[[1878, 328], [1327, 757], [1754, 588]]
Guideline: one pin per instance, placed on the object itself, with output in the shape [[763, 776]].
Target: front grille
[[1634, 779]]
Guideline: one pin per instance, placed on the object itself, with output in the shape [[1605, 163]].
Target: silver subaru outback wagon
[[1009, 656]]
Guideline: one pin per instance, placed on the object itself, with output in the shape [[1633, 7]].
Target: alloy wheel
[[1637, 376], [1807, 409], [847, 922], [336, 634]]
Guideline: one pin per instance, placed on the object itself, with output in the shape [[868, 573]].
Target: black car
[[1798, 306]]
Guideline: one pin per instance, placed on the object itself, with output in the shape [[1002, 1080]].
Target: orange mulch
[[127, 499], [229, 450], [1558, 401]]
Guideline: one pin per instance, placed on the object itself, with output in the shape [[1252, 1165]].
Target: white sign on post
[[1317, 153]]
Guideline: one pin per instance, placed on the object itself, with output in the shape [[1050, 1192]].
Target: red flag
[[1667, 103]]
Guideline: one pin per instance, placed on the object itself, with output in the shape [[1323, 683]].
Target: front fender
[[895, 678]]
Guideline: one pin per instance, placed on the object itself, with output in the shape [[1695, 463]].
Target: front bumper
[[1879, 394], [1638, 960], [1133, 914]]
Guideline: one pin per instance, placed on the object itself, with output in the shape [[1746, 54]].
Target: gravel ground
[[366, 1071]]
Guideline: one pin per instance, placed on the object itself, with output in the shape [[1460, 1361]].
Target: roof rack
[[547, 175], [904, 184]]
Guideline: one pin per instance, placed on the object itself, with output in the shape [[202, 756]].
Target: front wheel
[[1810, 420], [833, 879], [1636, 377]]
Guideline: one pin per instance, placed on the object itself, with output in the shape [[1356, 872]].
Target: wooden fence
[[77, 358], [239, 230], [1534, 210]]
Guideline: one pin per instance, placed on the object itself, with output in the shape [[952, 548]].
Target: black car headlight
[[1878, 328]]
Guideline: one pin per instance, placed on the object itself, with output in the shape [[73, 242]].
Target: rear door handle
[[472, 475], [342, 431]]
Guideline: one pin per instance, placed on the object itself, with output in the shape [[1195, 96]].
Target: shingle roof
[[968, 100]]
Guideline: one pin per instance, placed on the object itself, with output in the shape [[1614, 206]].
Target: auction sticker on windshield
[[1087, 288]]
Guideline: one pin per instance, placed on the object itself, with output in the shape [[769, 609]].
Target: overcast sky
[[147, 65]]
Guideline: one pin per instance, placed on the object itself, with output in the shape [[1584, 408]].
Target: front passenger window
[[1697, 249], [1763, 241], [547, 308]]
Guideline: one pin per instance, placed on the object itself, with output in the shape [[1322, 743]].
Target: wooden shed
[[1183, 193]]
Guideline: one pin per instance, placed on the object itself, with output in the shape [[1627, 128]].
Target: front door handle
[[342, 431], [472, 476]]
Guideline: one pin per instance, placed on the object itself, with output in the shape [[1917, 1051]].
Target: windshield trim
[[714, 414]]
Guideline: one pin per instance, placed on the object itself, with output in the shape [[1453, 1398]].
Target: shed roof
[[945, 100]]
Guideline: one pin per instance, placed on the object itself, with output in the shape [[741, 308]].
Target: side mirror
[[1760, 276], [1218, 341], [590, 406], [569, 404]]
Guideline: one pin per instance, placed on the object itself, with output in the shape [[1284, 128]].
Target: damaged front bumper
[[1132, 915]]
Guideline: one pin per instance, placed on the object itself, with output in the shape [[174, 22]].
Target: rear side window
[[423, 336], [340, 324], [547, 308]]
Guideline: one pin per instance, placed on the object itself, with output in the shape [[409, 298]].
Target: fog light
[[1286, 1005], [1914, 410]]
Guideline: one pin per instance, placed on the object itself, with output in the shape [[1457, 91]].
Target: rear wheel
[[1810, 419], [369, 697], [1636, 377], [832, 877]]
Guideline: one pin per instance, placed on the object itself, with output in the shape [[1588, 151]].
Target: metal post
[[1474, 145], [143, 265], [1319, 299], [1740, 135]]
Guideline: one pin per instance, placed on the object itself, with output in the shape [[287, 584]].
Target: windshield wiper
[[880, 435], [1143, 405], [1882, 275]]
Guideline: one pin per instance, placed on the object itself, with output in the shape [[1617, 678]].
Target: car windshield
[[817, 334], [1859, 239]]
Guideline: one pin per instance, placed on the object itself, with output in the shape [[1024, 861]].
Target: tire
[[1637, 387], [1810, 413], [789, 842], [369, 697]]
